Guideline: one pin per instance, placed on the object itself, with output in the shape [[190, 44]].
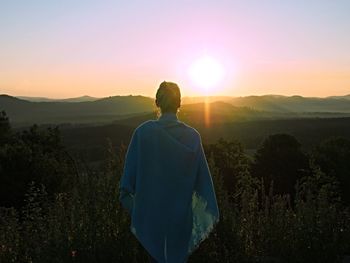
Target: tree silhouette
[[281, 160], [32, 155], [5, 127]]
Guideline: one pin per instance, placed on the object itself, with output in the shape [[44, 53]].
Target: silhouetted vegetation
[[280, 160], [333, 157], [259, 221], [229, 159], [32, 155], [88, 142]]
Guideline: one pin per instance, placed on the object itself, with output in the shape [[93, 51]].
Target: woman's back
[[167, 188]]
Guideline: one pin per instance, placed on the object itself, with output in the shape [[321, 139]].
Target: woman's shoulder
[[145, 126], [190, 130]]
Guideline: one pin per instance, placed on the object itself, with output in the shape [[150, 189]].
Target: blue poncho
[[167, 188]]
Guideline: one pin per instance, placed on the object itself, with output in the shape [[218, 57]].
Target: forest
[[283, 204]]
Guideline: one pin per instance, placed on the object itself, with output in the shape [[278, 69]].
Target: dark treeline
[[88, 142], [282, 205]]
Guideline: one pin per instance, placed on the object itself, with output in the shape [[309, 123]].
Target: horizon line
[[196, 96]]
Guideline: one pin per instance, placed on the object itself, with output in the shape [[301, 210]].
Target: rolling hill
[[222, 109], [23, 112], [87, 125], [279, 103], [43, 99]]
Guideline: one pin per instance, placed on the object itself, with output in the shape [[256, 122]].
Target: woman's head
[[168, 97]]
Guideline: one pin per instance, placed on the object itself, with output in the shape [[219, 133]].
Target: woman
[[166, 185]]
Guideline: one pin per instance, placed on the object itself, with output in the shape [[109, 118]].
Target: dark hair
[[168, 97]]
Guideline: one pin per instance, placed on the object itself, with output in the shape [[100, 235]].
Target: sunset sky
[[68, 48]]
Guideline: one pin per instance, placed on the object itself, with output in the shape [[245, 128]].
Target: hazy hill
[[222, 109], [279, 103], [347, 97], [218, 113], [294, 103], [102, 110], [265, 102], [198, 113], [43, 99]]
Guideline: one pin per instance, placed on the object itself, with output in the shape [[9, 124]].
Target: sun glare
[[206, 73]]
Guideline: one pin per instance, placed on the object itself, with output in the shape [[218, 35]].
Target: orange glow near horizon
[[62, 49], [270, 80]]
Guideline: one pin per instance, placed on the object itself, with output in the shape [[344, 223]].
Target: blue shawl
[[167, 188]]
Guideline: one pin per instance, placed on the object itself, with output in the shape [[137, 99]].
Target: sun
[[206, 73]]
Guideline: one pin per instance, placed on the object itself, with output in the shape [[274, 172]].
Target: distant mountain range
[[279, 103], [222, 109], [43, 99], [23, 112]]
